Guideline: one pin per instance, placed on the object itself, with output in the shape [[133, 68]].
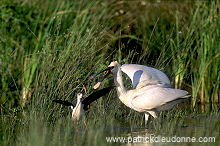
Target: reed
[[49, 49]]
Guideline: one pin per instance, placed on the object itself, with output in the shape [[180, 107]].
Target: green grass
[[49, 49]]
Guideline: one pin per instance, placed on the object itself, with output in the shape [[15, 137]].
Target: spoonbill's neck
[[119, 82]]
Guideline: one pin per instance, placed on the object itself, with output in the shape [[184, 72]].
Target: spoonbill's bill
[[151, 93]]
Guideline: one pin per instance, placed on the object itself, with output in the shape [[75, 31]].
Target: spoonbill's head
[[113, 65], [108, 70]]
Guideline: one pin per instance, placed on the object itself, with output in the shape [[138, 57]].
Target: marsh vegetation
[[48, 50]]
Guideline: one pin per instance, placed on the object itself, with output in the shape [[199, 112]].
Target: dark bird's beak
[[107, 72]]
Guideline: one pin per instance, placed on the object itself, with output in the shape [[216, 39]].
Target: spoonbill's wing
[[94, 96], [146, 75], [171, 104], [63, 102], [153, 98]]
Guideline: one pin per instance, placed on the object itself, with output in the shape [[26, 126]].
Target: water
[[182, 126], [202, 128]]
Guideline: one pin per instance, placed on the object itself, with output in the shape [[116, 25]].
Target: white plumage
[[151, 91], [141, 75], [78, 111]]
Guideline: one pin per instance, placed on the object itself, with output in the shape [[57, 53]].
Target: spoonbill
[[78, 111], [140, 75], [151, 91]]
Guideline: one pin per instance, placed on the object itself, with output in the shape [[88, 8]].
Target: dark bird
[[82, 106]]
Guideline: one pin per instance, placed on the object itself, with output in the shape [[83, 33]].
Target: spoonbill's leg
[[153, 113], [146, 118]]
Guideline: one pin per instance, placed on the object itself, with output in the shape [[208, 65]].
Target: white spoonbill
[[140, 75], [81, 106], [152, 91]]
